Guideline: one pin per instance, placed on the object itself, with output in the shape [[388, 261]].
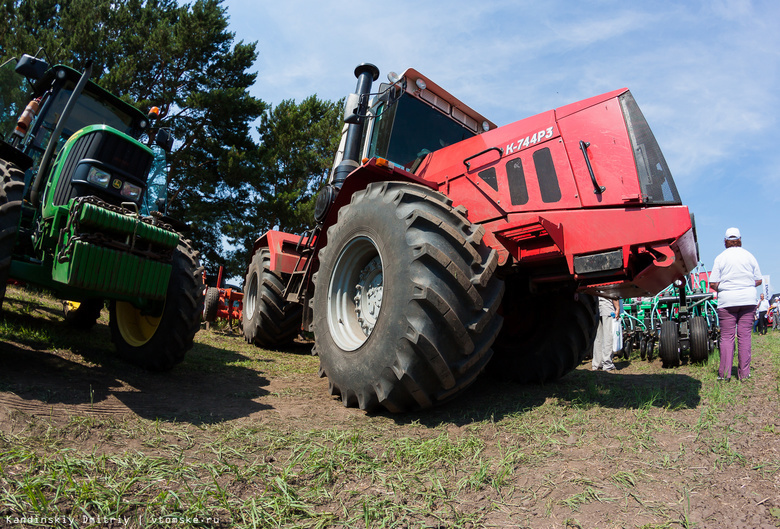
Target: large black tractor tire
[[700, 346], [669, 344], [82, 315], [160, 342], [11, 191], [269, 320], [405, 300], [544, 336], [211, 304]]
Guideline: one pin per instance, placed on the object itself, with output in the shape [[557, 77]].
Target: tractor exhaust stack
[[355, 116]]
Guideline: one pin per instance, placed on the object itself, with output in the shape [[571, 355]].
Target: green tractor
[[76, 217]]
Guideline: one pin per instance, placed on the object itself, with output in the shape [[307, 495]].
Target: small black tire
[[700, 348], [82, 315], [159, 343], [405, 299], [651, 342], [211, 304], [11, 191], [669, 344], [544, 336], [269, 320], [643, 348], [628, 348]]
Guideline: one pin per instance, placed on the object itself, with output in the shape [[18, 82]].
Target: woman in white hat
[[735, 276]]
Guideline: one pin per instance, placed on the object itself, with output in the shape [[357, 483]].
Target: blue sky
[[705, 74]]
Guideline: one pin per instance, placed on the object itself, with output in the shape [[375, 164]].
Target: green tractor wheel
[[159, 341], [11, 190]]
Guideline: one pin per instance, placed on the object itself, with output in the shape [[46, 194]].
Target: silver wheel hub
[[368, 299], [355, 293]]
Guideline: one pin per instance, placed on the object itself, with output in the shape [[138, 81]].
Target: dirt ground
[[695, 453]]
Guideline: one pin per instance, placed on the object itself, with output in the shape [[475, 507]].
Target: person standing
[[602, 347], [735, 276], [763, 307], [776, 314]]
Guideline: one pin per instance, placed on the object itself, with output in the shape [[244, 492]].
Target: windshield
[[88, 111], [409, 129], [654, 176]]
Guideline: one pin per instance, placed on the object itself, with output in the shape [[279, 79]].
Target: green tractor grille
[[103, 248], [96, 268], [96, 217]]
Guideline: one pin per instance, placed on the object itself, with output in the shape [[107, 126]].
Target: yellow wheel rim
[[136, 328]]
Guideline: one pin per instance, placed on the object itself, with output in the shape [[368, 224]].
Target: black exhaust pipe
[[366, 74]]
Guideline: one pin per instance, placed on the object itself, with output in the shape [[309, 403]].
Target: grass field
[[241, 437]]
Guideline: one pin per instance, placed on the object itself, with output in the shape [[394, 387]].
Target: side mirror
[[164, 139], [352, 110], [30, 67]]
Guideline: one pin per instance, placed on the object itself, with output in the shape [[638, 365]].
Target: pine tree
[[182, 59]]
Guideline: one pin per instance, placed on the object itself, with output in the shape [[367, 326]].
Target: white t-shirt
[[736, 272], [606, 306], [763, 305]]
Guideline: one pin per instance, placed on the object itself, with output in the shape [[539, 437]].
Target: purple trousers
[[735, 322]]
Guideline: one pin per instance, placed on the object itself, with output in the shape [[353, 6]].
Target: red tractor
[[445, 245]]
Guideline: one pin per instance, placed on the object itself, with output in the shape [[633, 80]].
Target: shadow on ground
[[53, 365], [490, 399]]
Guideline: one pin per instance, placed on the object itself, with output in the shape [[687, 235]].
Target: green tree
[[180, 58], [183, 59], [297, 145]]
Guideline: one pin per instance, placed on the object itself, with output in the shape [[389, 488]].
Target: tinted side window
[[548, 179], [489, 176], [518, 191]]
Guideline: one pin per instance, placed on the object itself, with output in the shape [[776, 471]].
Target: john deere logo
[[117, 183]]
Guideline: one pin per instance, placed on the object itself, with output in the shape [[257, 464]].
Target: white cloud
[[704, 72]]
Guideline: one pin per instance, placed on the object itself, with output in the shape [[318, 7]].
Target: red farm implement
[[222, 303]]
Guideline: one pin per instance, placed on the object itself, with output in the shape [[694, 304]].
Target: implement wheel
[[669, 344], [269, 320], [700, 349], [159, 341], [11, 190], [544, 336], [211, 304], [404, 308]]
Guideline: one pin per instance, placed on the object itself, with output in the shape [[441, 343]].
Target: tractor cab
[[413, 116], [52, 88], [410, 117], [97, 150]]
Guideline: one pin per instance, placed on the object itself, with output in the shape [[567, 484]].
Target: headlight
[[130, 191], [98, 177]]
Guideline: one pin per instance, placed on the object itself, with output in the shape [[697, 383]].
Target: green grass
[[500, 456]]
